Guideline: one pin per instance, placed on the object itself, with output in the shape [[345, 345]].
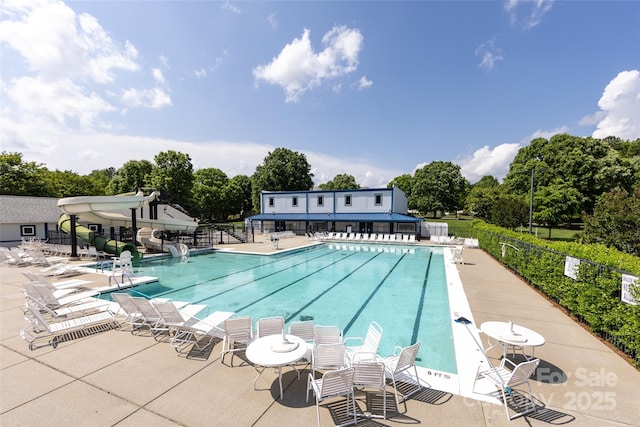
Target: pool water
[[403, 288]]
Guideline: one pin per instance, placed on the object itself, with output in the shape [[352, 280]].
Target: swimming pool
[[403, 288]]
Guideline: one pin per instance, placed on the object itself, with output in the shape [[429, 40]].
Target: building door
[[366, 227], [280, 225]]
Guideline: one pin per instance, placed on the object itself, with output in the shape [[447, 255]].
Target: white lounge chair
[[42, 329], [507, 379], [45, 296], [188, 330]]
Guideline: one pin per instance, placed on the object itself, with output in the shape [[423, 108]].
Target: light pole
[[533, 171]]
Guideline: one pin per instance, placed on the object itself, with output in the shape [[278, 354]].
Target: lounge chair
[[64, 284], [332, 384], [237, 330], [398, 367], [507, 379], [368, 344], [189, 330], [79, 309], [457, 254], [42, 329], [44, 295]]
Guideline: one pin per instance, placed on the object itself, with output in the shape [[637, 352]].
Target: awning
[[336, 217]]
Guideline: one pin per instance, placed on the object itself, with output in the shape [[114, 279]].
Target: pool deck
[[116, 378]]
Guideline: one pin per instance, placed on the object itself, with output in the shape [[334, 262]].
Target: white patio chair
[[327, 357], [371, 375], [237, 330], [305, 330], [269, 326], [368, 344], [398, 367], [333, 384], [327, 334], [507, 379]]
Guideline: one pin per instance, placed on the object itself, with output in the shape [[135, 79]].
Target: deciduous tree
[[341, 181], [438, 187]]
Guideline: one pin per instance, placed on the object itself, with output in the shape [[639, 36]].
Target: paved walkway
[[119, 379]]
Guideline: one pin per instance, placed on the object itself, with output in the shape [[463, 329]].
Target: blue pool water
[[403, 288]]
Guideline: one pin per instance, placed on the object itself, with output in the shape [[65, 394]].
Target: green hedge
[[594, 298]]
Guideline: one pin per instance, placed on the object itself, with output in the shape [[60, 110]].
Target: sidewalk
[[119, 379]]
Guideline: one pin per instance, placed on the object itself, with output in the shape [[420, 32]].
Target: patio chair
[[333, 384], [269, 326], [507, 379], [368, 344], [237, 330], [42, 329], [457, 254], [188, 330], [149, 316], [327, 357], [371, 375], [398, 367], [327, 334], [79, 309], [305, 330], [64, 284], [133, 317]]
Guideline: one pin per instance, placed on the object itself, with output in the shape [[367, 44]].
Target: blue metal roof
[[339, 217]]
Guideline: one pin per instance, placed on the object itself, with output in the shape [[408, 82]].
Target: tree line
[[574, 179]]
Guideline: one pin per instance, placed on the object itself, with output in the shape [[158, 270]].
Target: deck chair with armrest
[[186, 329], [238, 334], [269, 326], [334, 383], [368, 344], [507, 378], [401, 367], [81, 308], [63, 284], [40, 292], [327, 334], [43, 329], [370, 374]]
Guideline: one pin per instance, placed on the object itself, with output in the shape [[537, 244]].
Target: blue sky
[[374, 89]]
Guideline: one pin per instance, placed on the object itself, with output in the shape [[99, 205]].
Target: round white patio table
[[508, 334], [272, 352]]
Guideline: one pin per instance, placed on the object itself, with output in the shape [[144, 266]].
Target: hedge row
[[593, 298]]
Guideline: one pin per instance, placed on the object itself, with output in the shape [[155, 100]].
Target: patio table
[[508, 334], [273, 351]]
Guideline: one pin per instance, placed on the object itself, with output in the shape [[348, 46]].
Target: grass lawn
[[461, 227]]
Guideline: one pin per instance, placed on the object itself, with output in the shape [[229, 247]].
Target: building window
[[94, 227], [271, 202], [347, 200], [294, 201], [27, 230], [378, 198], [320, 201]]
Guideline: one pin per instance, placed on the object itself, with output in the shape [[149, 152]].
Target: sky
[[373, 89]]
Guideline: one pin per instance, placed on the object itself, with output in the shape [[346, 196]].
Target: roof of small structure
[[28, 209]]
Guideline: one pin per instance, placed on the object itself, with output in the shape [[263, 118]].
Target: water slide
[[115, 211]]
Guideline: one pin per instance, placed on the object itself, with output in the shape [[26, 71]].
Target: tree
[[173, 173], [101, 179], [133, 174], [341, 181], [69, 184], [554, 204], [509, 211], [281, 170], [20, 178], [244, 182], [615, 221], [207, 192], [438, 187], [403, 182], [482, 197]]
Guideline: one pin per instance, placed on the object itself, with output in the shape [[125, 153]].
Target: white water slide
[[116, 211]]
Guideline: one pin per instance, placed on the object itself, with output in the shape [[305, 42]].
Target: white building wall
[[283, 202], [327, 202]]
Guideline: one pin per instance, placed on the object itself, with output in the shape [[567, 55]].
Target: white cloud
[[158, 76], [298, 68], [538, 9], [201, 73], [152, 98], [273, 21], [487, 161], [619, 113], [363, 83], [227, 5], [489, 54], [546, 134]]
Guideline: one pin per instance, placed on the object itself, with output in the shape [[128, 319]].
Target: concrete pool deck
[[115, 378]]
